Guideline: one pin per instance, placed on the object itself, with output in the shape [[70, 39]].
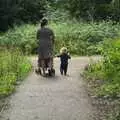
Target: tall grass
[[104, 77], [83, 38], [107, 70], [80, 38], [13, 66]]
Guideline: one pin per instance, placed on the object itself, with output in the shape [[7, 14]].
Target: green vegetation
[[23, 37], [107, 70], [80, 38], [13, 67], [93, 30], [104, 76], [92, 10], [83, 38], [21, 11], [32, 11]]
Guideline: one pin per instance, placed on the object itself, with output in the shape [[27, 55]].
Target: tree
[[17, 11], [78, 8], [8, 10], [31, 10], [115, 5], [94, 9]]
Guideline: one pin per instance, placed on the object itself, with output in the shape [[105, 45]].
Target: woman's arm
[[52, 37], [38, 36]]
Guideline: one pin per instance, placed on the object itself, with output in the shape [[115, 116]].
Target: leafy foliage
[[13, 66], [108, 70], [80, 38], [94, 9], [22, 37], [18, 11]]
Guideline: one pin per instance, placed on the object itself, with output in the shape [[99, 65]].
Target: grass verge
[[13, 67]]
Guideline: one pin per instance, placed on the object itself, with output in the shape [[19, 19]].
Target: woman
[[45, 37]]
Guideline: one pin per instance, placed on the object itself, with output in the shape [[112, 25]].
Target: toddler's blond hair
[[63, 50]]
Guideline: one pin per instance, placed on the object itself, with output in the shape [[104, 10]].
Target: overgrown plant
[[107, 70], [13, 67], [80, 38]]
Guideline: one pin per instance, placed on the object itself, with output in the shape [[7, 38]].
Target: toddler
[[64, 57]]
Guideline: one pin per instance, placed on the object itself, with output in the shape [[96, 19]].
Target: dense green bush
[[18, 11], [80, 38], [108, 69], [13, 66], [83, 38], [93, 9], [23, 37]]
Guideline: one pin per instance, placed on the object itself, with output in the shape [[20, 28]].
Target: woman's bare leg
[[50, 63], [43, 66]]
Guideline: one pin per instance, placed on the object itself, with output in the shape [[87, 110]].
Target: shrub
[[13, 66], [83, 38], [80, 38], [22, 37], [108, 69], [16, 12]]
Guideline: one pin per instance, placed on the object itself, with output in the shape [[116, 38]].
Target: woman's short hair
[[44, 22]]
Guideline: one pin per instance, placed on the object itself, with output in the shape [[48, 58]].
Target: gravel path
[[58, 98]]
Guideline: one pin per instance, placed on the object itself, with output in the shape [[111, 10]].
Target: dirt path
[[59, 98]]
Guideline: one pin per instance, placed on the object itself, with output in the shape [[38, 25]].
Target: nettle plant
[[13, 67], [112, 58]]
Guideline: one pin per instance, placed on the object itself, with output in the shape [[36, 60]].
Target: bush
[[15, 12], [13, 66], [108, 69], [22, 37], [80, 38], [94, 9]]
